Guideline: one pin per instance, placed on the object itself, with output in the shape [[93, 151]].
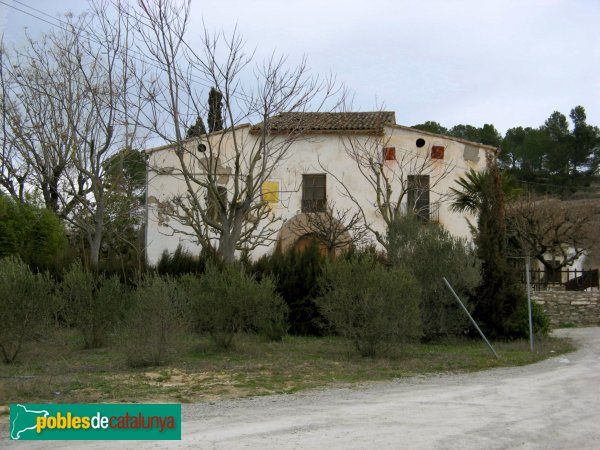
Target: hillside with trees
[[559, 157]]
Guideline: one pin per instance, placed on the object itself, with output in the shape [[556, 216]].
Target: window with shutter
[[418, 196], [437, 152], [389, 154], [314, 196]]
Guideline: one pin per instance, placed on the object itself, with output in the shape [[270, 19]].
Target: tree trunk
[[230, 237], [96, 236], [54, 196], [227, 248]]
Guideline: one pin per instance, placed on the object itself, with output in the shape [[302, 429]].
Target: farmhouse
[[359, 163]]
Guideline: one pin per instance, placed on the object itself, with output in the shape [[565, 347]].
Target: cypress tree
[[215, 110], [196, 130], [499, 295]]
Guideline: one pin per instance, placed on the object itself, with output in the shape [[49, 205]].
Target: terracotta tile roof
[[318, 122]]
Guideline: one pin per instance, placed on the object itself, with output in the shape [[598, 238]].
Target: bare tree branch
[[222, 173], [555, 232], [335, 228], [66, 113], [390, 181]]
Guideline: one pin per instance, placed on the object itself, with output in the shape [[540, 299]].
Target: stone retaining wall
[[570, 307]]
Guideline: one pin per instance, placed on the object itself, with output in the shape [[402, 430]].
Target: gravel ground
[[554, 404]]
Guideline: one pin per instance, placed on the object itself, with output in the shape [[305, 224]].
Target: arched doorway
[[299, 231], [304, 242]]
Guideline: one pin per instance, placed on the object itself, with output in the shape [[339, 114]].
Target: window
[[418, 196], [389, 154], [314, 196], [437, 152]]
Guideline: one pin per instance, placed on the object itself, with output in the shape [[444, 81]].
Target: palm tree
[[468, 198]]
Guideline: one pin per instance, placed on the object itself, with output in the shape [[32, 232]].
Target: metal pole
[[470, 317], [528, 277]]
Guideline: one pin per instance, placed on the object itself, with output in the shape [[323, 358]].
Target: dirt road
[[552, 404]]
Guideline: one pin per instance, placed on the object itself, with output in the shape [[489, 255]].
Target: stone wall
[[570, 307]]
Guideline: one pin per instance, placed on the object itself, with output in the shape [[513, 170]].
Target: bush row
[[146, 320], [374, 302], [372, 306]]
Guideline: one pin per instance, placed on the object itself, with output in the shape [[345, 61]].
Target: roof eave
[[214, 133], [452, 138]]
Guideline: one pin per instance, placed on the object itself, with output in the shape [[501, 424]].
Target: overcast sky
[[504, 62]]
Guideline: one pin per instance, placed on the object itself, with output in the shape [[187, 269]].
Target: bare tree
[[107, 122], [35, 81], [335, 228], [68, 112], [397, 185], [555, 232], [13, 170], [221, 207]]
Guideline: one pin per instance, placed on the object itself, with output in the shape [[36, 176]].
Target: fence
[[569, 280]]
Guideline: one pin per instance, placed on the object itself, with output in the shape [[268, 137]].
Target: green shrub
[[269, 312], [25, 306], [155, 324], [182, 262], [430, 253], [228, 300], [93, 303], [519, 323], [296, 277], [34, 234], [372, 306]]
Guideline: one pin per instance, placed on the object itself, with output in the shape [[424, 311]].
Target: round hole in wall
[[420, 142], [201, 148]]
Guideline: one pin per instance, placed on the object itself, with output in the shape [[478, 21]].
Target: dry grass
[[57, 369]]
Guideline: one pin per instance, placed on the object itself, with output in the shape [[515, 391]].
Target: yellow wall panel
[[270, 192]]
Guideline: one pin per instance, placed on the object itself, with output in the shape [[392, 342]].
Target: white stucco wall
[[313, 155], [448, 170]]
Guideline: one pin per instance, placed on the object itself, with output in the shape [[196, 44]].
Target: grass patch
[[57, 369]]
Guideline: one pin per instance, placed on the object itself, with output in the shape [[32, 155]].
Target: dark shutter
[[437, 152], [418, 196], [314, 193], [389, 154]]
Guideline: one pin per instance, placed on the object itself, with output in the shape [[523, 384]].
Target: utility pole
[[528, 278]]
